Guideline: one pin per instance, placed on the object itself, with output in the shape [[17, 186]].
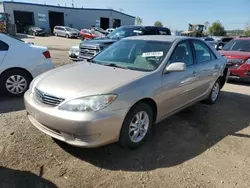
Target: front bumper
[[239, 74], [92, 129]]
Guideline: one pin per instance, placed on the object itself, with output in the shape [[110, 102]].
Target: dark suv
[[89, 48]]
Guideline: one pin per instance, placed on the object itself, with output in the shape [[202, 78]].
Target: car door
[[207, 67], [4, 47], [177, 87], [60, 31]]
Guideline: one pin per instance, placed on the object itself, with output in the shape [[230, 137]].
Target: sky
[[175, 14]]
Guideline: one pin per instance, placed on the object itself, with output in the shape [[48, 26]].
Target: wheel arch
[[151, 103], [223, 78], [17, 68]]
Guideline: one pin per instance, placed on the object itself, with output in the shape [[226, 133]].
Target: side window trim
[[193, 51]]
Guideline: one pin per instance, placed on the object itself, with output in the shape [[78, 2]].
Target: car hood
[[38, 30], [235, 54], [83, 79], [98, 41]]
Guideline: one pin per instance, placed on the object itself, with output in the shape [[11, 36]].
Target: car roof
[[146, 26], [165, 38], [242, 38]]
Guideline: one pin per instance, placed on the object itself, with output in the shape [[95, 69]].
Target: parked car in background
[[100, 30], [125, 90], [88, 49], [237, 53], [209, 40], [109, 30], [76, 30], [20, 62], [74, 52], [65, 32], [222, 42], [34, 30], [88, 34]]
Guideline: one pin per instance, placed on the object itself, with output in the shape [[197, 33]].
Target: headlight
[[88, 104], [75, 50], [248, 61]]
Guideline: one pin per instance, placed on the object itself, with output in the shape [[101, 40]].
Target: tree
[[247, 33], [247, 29], [138, 20], [158, 24], [217, 29]]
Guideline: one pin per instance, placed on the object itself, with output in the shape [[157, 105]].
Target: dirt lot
[[203, 146]]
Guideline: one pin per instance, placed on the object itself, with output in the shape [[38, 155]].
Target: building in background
[[48, 16]]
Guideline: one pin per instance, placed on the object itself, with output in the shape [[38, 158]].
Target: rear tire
[[136, 126], [15, 82], [214, 94]]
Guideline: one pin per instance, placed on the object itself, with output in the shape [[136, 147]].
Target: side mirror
[[175, 67]]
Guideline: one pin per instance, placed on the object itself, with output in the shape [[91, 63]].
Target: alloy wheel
[[138, 127], [16, 84], [215, 91]]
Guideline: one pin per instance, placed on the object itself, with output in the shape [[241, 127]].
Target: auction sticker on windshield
[[152, 54]]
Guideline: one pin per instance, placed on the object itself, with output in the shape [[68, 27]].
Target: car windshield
[[123, 32], [237, 45], [141, 55], [68, 29]]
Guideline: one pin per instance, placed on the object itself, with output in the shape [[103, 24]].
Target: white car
[[20, 62], [74, 52], [109, 30]]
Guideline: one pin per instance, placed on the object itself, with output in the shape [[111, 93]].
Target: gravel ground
[[202, 146]]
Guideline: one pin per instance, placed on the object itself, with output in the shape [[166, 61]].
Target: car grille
[[234, 63], [47, 98], [88, 52]]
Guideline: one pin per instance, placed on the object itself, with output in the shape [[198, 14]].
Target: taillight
[[47, 54]]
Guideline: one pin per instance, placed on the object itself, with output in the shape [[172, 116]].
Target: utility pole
[[73, 3]]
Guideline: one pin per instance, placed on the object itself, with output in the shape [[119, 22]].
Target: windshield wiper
[[114, 65]]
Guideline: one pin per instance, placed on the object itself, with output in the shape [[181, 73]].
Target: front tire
[[136, 126], [15, 82], [67, 36], [214, 94]]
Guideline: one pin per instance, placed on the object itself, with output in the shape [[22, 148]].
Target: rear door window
[[150, 31], [164, 31], [202, 52]]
